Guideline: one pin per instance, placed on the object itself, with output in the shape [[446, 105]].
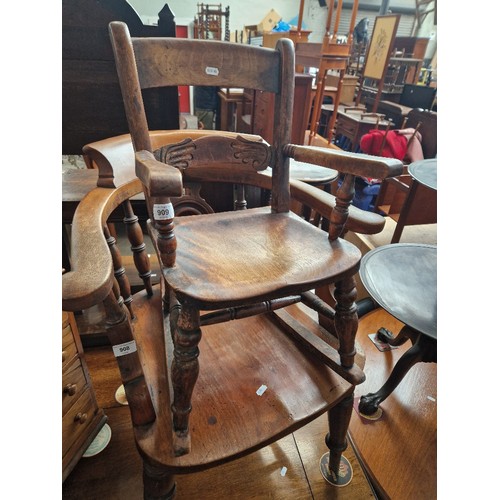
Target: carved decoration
[[258, 153], [208, 150], [178, 155]]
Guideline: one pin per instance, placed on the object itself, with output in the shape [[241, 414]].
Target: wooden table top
[[77, 182], [358, 116], [425, 172], [402, 278]]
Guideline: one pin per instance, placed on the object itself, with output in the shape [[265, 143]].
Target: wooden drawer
[[81, 417], [69, 349], [77, 419], [74, 383], [346, 127]]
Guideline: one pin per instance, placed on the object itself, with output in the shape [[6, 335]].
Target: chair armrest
[[361, 165], [358, 221], [91, 278], [114, 156], [158, 178]]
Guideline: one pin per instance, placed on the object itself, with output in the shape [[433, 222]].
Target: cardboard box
[[267, 24]]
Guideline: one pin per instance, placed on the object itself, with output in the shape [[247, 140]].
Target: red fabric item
[[394, 146]]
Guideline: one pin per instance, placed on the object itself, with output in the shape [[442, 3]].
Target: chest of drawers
[[82, 419]]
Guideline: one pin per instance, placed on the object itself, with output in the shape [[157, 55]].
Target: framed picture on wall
[[379, 50]]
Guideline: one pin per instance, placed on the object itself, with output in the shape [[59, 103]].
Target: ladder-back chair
[[203, 390]]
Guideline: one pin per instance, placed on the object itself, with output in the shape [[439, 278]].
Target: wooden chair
[[196, 400], [408, 202]]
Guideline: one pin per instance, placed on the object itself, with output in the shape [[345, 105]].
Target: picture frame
[[379, 50]]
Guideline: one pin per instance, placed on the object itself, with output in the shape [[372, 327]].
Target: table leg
[[423, 350]]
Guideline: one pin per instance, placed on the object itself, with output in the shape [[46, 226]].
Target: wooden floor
[[399, 450], [116, 473]]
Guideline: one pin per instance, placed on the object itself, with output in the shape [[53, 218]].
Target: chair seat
[[232, 258], [228, 418]]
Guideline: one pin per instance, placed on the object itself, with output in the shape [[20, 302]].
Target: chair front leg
[[158, 483], [346, 319], [336, 469], [185, 368]]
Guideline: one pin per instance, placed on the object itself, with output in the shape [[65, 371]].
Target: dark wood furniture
[[411, 46], [248, 265], [82, 418], [426, 121], [394, 199], [262, 121], [414, 97], [353, 123], [92, 107], [394, 112], [229, 100], [402, 279]]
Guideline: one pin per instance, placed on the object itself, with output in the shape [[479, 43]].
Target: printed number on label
[[162, 211], [209, 70], [125, 348]]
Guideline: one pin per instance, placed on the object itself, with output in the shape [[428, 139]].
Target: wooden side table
[[352, 124], [229, 99], [402, 279]]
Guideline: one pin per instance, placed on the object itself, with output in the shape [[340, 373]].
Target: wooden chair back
[[165, 62], [428, 129]]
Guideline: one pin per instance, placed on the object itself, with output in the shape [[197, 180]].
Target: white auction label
[[261, 390], [163, 211], [210, 70], [124, 349]]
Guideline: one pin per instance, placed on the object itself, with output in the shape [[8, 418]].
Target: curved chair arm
[[114, 156], [376, 167], [91, 278]]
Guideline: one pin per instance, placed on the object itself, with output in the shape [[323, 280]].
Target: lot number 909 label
[[163, 211]]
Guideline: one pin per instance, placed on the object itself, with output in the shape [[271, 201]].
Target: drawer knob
[[64, 356], [70, 389], [81, 417]]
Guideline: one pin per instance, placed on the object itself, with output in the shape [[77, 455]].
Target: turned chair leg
[[185, 368], [334, 466], [158, 483]]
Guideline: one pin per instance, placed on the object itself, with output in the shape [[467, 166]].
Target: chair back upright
[[162, 62]]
